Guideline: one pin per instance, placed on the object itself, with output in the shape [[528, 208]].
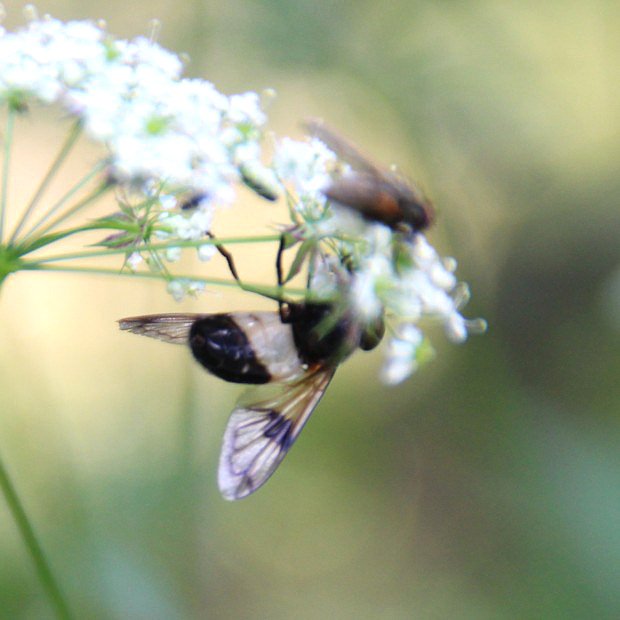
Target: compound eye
[[372, 335]]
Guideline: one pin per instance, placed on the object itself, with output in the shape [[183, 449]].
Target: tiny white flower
[[194, 287], [134, 260], [173, 254], [145, 53], [246, 108], [181, 287], [304, 164], [456, 327], [247, 153], [177, 289], [441, 277], [206, 252], [401, 355], [423, 251], [374, 273], [327, 277]]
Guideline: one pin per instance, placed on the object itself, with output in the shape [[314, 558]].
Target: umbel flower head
[[377, 273], [176, 149]]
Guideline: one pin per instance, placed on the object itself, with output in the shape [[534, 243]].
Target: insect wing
[[259, 434], [342, 147], [173, 328]]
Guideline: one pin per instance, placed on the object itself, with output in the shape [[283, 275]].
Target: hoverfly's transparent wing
[[342, 147], [173, 328], [260, 433]]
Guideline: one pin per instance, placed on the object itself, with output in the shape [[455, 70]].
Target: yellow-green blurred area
[[488, 485]]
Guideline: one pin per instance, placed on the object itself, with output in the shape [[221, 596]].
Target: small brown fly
[[377, 194]]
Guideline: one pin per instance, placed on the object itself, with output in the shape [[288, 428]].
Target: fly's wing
[[342, 147], [173, 328], [260, 433]]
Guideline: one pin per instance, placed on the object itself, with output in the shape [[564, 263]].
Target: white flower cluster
[[130, 95], [305, 166], [180, 287], [397, 277], [417, 287], [422, 286], [188, 225]]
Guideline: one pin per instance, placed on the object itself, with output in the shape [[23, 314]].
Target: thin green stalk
[[76, 188], [6, 164], [27, 247], [154, 246], [272, 292], [78, 206], [33, 546], [74, 134]]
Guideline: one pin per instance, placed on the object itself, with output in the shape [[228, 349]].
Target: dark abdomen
[[222, 347]]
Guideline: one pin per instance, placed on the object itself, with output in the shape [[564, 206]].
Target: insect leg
[[281, 248], [227, 255], [192, 202]]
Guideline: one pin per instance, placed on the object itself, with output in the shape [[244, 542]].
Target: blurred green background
[[486, 487]]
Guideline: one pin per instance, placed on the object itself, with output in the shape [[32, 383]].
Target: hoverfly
[[378, 195], [296, 350]]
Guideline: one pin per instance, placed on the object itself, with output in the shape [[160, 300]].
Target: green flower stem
[[272, 292], [153, 247], [76, 188], [35, 550], [74, 134], [6, 164], [104, 187], [26, 247]]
